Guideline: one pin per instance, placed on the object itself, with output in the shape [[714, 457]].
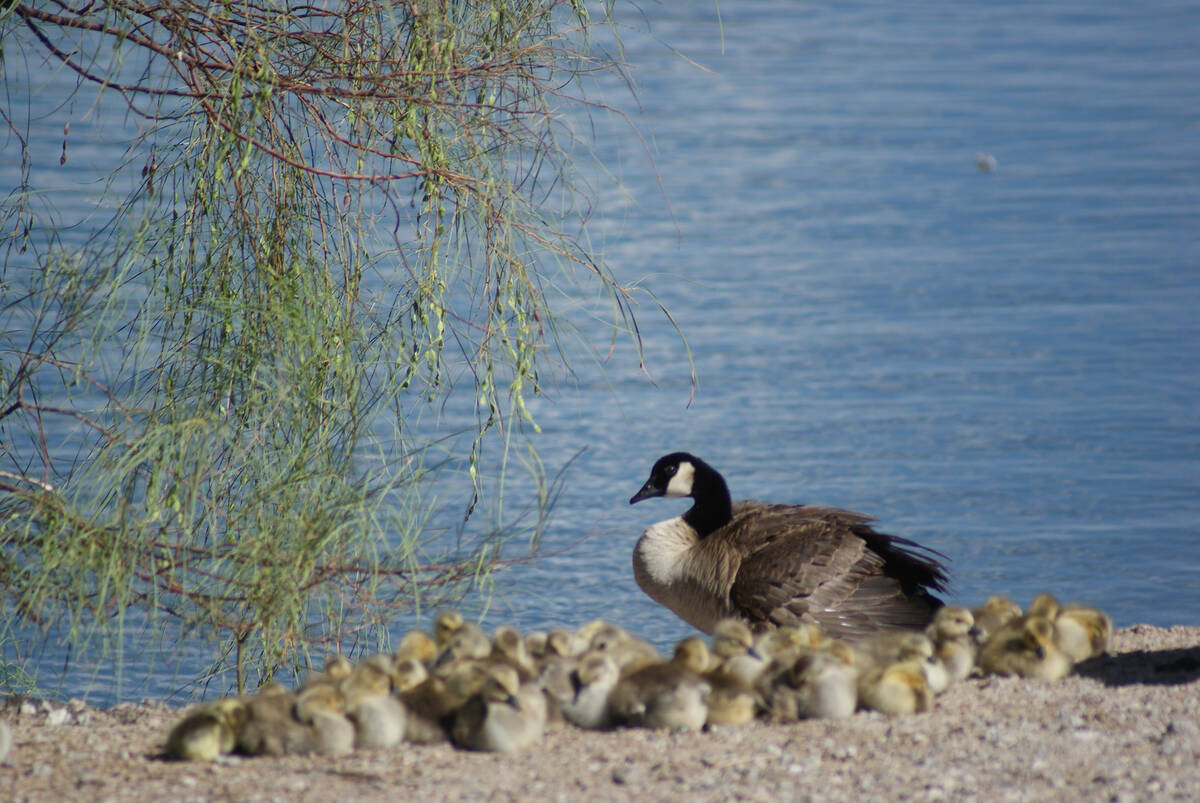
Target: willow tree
[[341, 215]]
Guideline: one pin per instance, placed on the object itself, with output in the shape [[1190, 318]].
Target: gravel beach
[[1124, 727]]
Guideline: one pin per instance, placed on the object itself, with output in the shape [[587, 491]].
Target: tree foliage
[[216, 411]]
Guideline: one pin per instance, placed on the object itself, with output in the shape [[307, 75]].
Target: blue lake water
[[1003, 365]]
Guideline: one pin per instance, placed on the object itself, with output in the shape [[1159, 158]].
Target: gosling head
[[1038, 635], [1044, 604], [692, 654], [502, 685], [952, 622], [416, 644], [445, 624], [732, 637], [410, 673]]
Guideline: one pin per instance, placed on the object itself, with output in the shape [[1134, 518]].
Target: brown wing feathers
[[827, 566]]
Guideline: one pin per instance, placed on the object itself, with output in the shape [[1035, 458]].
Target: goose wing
[[828, 566]]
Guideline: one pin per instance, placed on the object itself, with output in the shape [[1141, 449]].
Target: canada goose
[[503, 716], [1025, 647], [777, 565], [670, 694]]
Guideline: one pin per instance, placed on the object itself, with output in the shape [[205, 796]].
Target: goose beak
[[648, 490]]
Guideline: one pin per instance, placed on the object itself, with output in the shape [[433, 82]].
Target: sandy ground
[[1124, 727]]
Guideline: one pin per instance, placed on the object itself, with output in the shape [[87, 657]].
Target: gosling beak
[[1040, 652]]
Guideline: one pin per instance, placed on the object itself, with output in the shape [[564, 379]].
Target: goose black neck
[[713, 507]]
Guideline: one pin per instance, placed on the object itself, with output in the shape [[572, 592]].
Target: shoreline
[[1125, 726]]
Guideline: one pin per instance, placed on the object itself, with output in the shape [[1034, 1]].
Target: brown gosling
[[207, 732], [953, 633], [818, 684], [416, 644], [996, 612], [1044, 604], [894, 646], [730, 704], [469, 642], [422, 697], [336, 667], [1025, 648], [446, 623], [630, 652], [563, 643], [736, 658], [433, 703], [886, 649], [535, 644], [503, 716], [900, 688], [372, 675], [508, 647], [669, 694], [378, 717], [270, 729], [1082, 632], [790, 639], [323, 706], [588, 631], [591, 683]]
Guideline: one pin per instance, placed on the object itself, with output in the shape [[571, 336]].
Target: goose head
[[681, 474], [673, 475]]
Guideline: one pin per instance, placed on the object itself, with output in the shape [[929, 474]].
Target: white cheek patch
[[681, 482]]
